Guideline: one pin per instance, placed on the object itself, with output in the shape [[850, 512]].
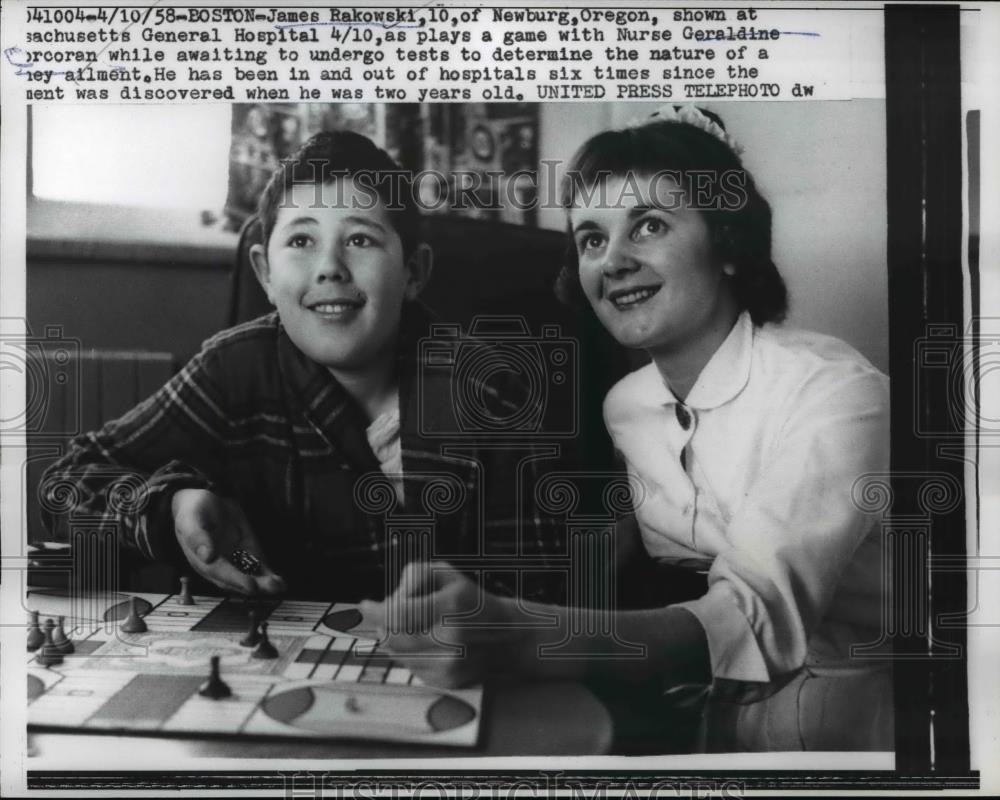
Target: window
[[161, 157]]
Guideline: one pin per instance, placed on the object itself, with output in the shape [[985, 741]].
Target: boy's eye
[[360, 240], [299, 240]]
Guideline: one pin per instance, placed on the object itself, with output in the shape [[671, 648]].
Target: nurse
[[748, 437]]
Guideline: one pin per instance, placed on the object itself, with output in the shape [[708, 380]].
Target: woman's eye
[[299, 240], [649, 227], [360, 240], [590, 241]]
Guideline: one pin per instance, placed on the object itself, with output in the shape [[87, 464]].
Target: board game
[[324, 679]]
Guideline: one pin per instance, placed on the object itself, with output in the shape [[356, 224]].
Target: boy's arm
[[124, 476]]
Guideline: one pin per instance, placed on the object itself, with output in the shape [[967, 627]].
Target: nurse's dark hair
[[714, 180], [339, 154]]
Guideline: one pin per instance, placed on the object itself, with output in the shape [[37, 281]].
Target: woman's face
[[647, 264]]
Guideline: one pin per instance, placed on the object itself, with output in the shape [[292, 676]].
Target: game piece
[[253, 634], [133, 623], [215, 687], [245, 561], [48, 655], [60, 640], [35, 636], [185, 598], [120, 609], [264, 648]]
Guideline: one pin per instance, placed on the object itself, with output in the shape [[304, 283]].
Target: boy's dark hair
[[340, 154], [740, 231]]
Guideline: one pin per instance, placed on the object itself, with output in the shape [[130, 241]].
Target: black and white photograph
[[607, 442]]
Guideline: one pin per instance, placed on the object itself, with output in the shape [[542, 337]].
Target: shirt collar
[[332, 411], [726, 372]]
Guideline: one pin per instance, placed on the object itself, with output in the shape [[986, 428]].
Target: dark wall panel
[[167, 307]]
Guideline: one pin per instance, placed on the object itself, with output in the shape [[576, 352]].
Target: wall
[[154, 306], [821, 165], [127, 279]]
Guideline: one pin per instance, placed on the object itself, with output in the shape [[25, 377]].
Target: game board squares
[[171, 615], [231, 614], [89, 646], [146, 701], [205, 715], [149, 682], [398, 675], [74, 699], [296, 616], [355, 659], [299, 670], [374, 673], [351, 667], [213, 716], [310, 656], [349, 673], [328, 667], [48, 677]]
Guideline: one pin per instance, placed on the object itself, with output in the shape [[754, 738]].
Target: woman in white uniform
[[749, 440]]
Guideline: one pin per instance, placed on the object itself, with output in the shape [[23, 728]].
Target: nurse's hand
[[447, 630]]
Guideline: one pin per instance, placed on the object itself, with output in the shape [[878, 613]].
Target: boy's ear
[[258, 260], [419, 266]]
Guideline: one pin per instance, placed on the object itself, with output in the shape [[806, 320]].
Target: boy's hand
[[418, 626], [209, 528]]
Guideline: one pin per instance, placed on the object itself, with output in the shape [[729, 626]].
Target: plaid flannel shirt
[[252, 418]]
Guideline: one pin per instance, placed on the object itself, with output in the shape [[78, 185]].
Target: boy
[[253, 465]]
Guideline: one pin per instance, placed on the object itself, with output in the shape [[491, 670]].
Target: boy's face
[[335, 271]]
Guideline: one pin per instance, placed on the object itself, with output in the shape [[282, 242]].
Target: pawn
[[253, 634], [133, 623], [264, 648], [215, 687], [185, 598], [60, 640], [35, 636], [48, 655]]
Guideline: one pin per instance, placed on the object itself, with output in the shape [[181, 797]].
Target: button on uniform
[[684, 419], [683, 416]]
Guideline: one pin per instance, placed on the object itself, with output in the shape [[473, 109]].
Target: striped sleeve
[[124, 475]]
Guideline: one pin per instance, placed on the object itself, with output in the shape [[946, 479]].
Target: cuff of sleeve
[[155, 528], [732, 647]]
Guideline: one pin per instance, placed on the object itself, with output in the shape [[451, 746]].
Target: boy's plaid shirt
[[252, 418]]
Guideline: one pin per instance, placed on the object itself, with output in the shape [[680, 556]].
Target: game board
[[328, 681]]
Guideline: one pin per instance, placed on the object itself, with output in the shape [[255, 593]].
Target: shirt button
[[683, 416]]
